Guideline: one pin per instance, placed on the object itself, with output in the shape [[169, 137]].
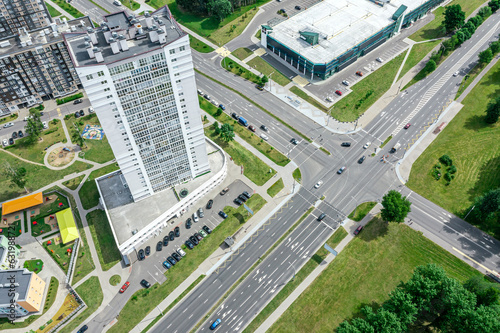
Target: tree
[[493, 111], [227, 133], [216, 128], [446, 160], [220, 9], [487, 293], [16, 176], [396, 207], [34, 125], [485, 12], [454, 18], [430, 66], [486, 56], [487, 205], [264, 79], [401, 303], [218, 112], [77, 138], [495, 47], [494, 5]]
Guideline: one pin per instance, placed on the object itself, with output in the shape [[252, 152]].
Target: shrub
[[452, 169], [446, 160], [448, 177]]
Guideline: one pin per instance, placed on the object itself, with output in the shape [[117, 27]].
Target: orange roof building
[[16, 205]]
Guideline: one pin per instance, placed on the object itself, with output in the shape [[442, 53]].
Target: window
[[100, 73], [182, 48], [172, 51], [104, 82], [174, 60], [89, 77]]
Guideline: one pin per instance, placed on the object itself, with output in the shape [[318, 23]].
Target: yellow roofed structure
[[67, 225], [16, 205]]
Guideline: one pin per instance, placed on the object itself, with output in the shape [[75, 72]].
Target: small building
[[67, 226], [21, 293], [8, 257], [23, 203]]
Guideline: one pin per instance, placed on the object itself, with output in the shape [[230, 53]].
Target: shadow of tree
[[374, 229], [476, 122]]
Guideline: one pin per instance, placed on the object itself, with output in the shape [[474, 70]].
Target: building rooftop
[[340, 25], [121, 36], [51, 34], [22, 203], [127, 216], [22, 278]]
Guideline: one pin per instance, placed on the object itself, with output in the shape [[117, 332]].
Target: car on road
[[242, 198], [224, 191], [165, 240], [171, 260], [264, 137], [407, 126], [140, 255], [14, 135], [181, 252], [83, 329], [44, 124], [189, 244], [188, 223], [195, 217], [210, 203], [294, 141], [264, 128], [298, 7], [358, 230], [91, 110], [260, 87], [345, 144], [206, 97], [379, 60], [221, 106], [7, 125], [171, 235], [214, 102], [159, 246], [124, 287], [203, 233], [238, 202], [252, 128], [345, 83], [176, 256], [341, 170], [367, 145], [5, 142], [362, 159], [166, 264], [318, 184], [148, 250], [200, 92], [77, 101], [145, 283], [359, 73], [215, 324], [200, 213], [20, 134], [207, 229], [234, 115], [338, 92], [77, 114], [11, 141], [222, 214], [82, 113], [246, 194], [194, 240], [321, 217], [177, 232], [456, 73]]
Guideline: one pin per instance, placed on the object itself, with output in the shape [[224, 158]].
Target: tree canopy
[[493, 111], [454, 18], [396, 207]]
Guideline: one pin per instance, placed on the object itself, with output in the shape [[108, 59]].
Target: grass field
[[368, 268], [68, 8], [115, 280], [144, 301], [131, 4], [469, 78], [94, 150], [34, 265], [199, 46], [35, 152], [52, 11], [314, 262], [73, 183], [360, 212], [473, 146], [36, 176], [236, 69], [243, 132], [417, 53], [297, 175], [299, 92], [9, 118], [242, 53], [262, 66], [89, 195], [378, 83], [103, 238], [275, 188], [91, 293], [254, 169]]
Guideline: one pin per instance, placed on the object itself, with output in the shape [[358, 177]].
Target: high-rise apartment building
[[21, 292], [138, 74], [17, 14]]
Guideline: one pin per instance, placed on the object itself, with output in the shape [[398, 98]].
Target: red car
[[338, 92], [252, 128], [359, 73], [124, 287], [358, 230], [407, 126]]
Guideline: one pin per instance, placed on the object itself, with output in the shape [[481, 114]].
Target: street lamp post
[[270, 80]]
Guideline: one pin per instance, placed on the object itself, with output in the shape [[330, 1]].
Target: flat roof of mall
[[341, 24], [127, 215]]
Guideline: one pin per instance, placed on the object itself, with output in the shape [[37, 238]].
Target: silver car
[[200, 213]]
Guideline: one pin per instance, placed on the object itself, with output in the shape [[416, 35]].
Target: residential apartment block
[[8, 254], [17, 14], [138, 74], [21, 292]]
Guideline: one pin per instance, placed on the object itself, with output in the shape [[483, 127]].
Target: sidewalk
[[59, 9], [350, 227]]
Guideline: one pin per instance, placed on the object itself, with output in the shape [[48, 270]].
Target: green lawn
[[9, 118], [417, 53], [297, 175], [368, 268], [91, 293], [94, 150], [243, 132], [89, 195], [68, 8], [36, 151], [265, 68], [199, 46], [131, 4], [275, 188], [52, 11], [469, 78], [242, 53], [34, 265], [360, 212], [356, 103], [144, 301], [103, 238], [234, 68], [253, 167], [299, 92], [115, 280], [473, 146], [40, 228], [36, 176], [53, 207], [300, 276], [73, 183], [59, 252]]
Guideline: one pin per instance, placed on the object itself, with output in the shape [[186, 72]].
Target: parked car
[[159, 246], [358, 230], [252, 128], [44, 124], [207, 229], [148, 250], [145, 283], [210, 204], [177, 232], [176, 256], [11, 141], [341, 170], [195, 217], [124, 287], [140, 255], [379, 60], [83, 329], [165, 240], [166, 264], [407, 126], [206, 97], [171, 235], [7, 125], [329, 99], [264, 128], [298, 7], [234, 115], [14, 135], [77, 101], [238, 202], [242, 198], [260, 87], [362, 159], [189, 244], [5, 142], [222, 214], [203, 233], [321, 217], [194, 240], [171, 260], [367, 145], [222, 107], [246, 194], [82, 113], [200, 92], [181, 252], [215, 324], [77, 114], [359, 73], [198, 236], [318, 184], [345, 144], [200, 213], [91, 110], [188, 223], [224, 191], [338, 92], [345, 83], [264, 137], [294, 141], [214, 102]]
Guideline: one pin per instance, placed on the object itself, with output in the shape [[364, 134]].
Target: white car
[[329, 99], [45, 126], [264, 137], [200, 92], [8, 125], [318, 184], [456, 73], [345, 83], [181, 252], [214, 102], [5, 142], [367, 145], [91, 110], [195, 217], [379, 60]]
